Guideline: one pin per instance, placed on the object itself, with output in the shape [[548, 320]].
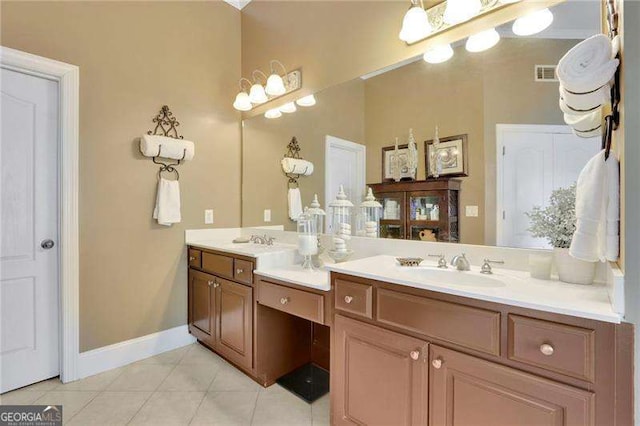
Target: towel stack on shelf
[[586, 73]]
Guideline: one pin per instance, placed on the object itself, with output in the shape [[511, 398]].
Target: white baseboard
[[113, 356]]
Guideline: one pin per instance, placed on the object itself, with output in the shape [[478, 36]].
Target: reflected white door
[[344, 165], [29, 317], [532, 162]]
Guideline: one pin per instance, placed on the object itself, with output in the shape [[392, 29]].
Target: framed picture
[[452, 157], [388, 152]]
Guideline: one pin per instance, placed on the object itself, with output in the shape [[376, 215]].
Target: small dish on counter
[[409, 261]]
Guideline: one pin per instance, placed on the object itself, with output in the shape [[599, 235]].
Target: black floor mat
[[308, 382]]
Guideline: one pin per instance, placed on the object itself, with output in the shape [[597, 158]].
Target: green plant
[[557, 222]]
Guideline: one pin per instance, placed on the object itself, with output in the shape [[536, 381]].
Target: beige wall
[[339, 112], [133, 58]]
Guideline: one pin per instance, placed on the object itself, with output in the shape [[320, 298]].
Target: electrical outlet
[[471, 211], [267, 215], [208, 217]]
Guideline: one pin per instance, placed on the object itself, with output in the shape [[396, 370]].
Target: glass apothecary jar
[[370, 213], [318, 215], [340, 210], [307, 238]]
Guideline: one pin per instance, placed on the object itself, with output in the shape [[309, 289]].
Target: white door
[[344, 165], [532, 162], [29, 317]]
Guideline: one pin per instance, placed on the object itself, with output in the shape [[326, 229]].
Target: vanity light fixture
[[273, 113], [288, 108], [438, 54], [458, 11], [242, 102], [257, 95], [275, 83], [482, 41], [307, 101], [415, 24], [533, 23]]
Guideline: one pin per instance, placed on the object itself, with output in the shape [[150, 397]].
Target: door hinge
[[504, 215], [504, 150]]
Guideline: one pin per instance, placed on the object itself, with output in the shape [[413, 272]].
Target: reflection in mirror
[[491, 141]]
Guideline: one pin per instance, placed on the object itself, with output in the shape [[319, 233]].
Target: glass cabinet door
[[424, 208], [392, 222]]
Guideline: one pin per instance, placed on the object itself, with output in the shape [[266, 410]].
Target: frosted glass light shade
[[483, 40], [415, 25], [257, 94], [242, 102], [533, 23], [273, 113], [458, 11], [275, 85], [438, 54], [307, 101], [288, 108]]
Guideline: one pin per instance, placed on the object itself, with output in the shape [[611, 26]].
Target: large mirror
[[503, 143]]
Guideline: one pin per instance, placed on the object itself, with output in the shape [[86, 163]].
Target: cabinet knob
[[284, 300], [216, 285], [348, 299], [414, 355], [546, 349], [210, 283], [192, 258], [239, 271], [437, 363]]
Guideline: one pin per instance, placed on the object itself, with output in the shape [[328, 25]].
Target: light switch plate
[[471, 211], [267, 215], [208, 217]]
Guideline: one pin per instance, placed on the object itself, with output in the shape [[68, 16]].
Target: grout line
[[141, 405], [255, 406]]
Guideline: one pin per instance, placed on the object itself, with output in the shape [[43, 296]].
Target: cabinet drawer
[[472, 328], [353, 297], [295, 302], [243, 271], [218, 264], [557, 347], [195, 258]]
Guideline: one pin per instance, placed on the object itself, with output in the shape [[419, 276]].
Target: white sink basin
[[451, 277]]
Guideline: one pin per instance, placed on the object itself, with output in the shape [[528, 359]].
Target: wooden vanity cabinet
[[221, 309], [421, 357]]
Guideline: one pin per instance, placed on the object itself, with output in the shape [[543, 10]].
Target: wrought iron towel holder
[[166, 125], [612, 120], [293, 151]]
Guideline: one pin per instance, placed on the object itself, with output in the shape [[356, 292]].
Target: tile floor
[[190, 385]]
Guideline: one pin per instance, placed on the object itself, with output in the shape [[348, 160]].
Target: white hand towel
[[151, 145], [167, 210], [597, 211], [297, 166], [295, 203], [588, 65]]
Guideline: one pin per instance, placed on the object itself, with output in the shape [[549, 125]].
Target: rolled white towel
[[588, 65], [586, 122], [166, 147], [585, 103], [592, 134], [297, 166]]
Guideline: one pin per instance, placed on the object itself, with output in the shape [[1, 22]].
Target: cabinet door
[[378, 377], [202, 305], [392, 221], [234, 316], [465, 390]]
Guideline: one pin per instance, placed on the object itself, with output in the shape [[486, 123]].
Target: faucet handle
[[486, 266], [442, 262]]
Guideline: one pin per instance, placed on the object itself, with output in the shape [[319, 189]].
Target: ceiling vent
[[545, 73]]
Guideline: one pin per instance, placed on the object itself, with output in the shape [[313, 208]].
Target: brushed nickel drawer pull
[[414, 355], [437, 363], [546, 349], [284, 300], [348, 299]]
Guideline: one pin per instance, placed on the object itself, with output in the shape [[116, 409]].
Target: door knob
[[437, 363], [414, 355], [546, 349], [284, 300], [348, 299], [192, 258], [210, 283], [47, 244]]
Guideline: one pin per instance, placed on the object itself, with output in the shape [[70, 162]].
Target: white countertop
[[243, 249], [317, 279], [504, 286]]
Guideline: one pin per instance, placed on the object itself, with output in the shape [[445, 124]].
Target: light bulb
[[273, 113], [307, 101], [288, 108], [242, 102], [415, 25], [458, 11], [275, 85], [533, 23], [483, 40], [438, 54], [257, 94]]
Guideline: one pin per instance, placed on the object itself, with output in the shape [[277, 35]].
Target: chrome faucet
[[461, 263], [442, 262], [264, 240], [486, 266]]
